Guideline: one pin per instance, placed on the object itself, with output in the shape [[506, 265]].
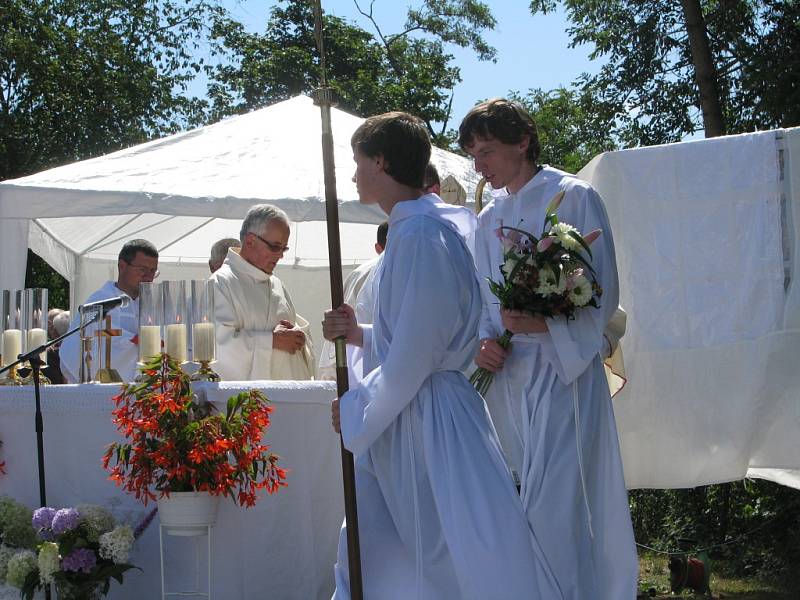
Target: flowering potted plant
[[179, 445], [79, 551], [16, 533]]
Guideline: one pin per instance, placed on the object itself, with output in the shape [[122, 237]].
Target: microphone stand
[[36, 363]]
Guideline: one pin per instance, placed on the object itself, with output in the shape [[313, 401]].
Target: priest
[[137, 263], [259, 333]]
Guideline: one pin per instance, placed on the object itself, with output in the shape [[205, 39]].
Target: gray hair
[[220, 249], [61, 322], [258, 216]]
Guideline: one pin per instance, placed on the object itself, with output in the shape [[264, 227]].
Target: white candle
[[12, 345], [176, 342], [37, 337], [149, 342], [203, 342]]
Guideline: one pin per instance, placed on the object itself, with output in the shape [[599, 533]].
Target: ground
[[654, 583]]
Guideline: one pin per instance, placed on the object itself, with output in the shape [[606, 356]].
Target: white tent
[[188, 190]]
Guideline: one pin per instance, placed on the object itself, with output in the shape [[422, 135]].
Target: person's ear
[[524, 143]]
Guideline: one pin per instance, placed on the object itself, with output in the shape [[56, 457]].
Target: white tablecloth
[[282, 548]]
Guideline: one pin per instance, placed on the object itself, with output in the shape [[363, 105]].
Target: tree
[[572, 126], [370, 73], [650, 79], [79, 78]]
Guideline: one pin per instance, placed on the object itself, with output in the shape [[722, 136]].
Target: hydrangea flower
[[19, 567], [6, 552], [116, 545], [15, 524], [48, 561], [65, 520], [97, 519], [43, 517], [80, 559]]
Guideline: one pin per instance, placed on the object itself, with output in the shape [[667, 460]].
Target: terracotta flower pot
[[187, 513]]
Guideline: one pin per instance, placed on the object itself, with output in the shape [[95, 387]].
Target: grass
[[654, 575]]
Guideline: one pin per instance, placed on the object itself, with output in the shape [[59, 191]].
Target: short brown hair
[[403, 141], [501, 119]]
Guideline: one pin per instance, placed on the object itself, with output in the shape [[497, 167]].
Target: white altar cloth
[[283, 548]]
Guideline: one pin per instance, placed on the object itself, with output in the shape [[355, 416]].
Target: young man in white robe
[[358, 294], [137, 263], [259, 333], [439, 517], [550, 399]]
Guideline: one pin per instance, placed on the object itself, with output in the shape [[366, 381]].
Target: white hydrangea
[[49, 561], [581, 292], [561, 230], [548, 284], [116, 545], [97, 520], [6, 552], [19, 567]]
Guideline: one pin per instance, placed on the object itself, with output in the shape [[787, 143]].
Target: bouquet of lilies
[[548, 276]]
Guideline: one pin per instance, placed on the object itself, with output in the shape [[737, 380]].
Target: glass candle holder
[[204, 340], [12, 338], [173, 297], [34, 318], [150, 313]]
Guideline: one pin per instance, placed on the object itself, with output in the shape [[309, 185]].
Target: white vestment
[[249, 303], [124, 353], [576, 504], [358, 294], [439, 517]]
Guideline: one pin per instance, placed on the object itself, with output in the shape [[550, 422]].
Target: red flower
[[176, 443]]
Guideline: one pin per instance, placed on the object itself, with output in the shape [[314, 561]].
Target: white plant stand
[[196, 593]]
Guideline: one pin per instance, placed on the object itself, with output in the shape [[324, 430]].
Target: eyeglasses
[[276, 248], [145, 271]]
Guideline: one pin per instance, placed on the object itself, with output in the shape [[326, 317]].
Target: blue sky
[[531, 51]]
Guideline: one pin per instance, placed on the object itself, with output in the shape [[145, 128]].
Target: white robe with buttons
[[439, 516], [586, 535], [249, 303]]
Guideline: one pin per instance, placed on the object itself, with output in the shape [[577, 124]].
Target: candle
[[37, 337], [12, 345], [176, 342], [203, 342], [149, 342]]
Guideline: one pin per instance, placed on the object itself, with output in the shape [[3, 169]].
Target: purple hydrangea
[[43, 518], [81, 559], [64, 520]]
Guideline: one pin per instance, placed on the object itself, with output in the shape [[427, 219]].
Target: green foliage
[[752, 526], [370, 73], [648, 80], [38, 274], [572, 126], [79, 78]]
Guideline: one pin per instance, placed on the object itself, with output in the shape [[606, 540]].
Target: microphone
[[105, 305]]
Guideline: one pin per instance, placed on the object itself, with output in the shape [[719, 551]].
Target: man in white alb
[[138, 263], [259, 334]]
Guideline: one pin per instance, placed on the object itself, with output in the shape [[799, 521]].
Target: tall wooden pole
[[323, 97]]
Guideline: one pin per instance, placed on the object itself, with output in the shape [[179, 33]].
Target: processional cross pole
[[323, 97]]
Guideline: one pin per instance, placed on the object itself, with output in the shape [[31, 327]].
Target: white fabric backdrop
[[284, 547], [702, 230]]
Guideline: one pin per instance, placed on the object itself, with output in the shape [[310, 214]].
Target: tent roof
[[185, 191]]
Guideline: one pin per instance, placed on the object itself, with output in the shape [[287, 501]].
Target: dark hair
[[383, 232], [402, 140], [133, 247], [431, 175], [501, 119]]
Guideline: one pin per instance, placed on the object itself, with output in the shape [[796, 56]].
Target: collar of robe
[[460, 219], [241, 267]]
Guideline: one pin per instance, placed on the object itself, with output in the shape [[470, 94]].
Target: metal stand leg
[[196, 592]]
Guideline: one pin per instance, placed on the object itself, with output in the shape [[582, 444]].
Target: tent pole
[[323, 97]]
